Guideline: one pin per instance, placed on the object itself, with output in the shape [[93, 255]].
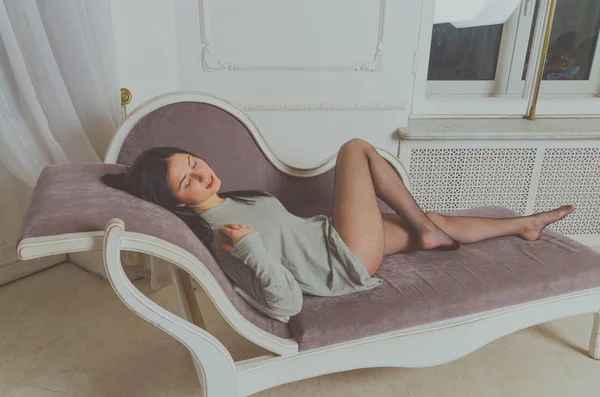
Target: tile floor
[[63, 332]]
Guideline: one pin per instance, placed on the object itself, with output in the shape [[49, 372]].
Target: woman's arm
[[271, 284]]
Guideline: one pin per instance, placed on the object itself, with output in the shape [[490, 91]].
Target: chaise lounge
[[433, 307]]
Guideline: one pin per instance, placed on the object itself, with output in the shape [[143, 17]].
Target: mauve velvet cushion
[[421, 287]]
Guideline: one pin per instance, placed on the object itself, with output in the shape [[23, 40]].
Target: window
[[572, 57], [472, 60], [485, 70]]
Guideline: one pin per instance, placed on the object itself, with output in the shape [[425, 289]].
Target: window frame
[[484, 87], [473, 103], [550, 89]]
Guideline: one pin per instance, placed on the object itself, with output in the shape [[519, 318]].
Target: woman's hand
[[236, 232]]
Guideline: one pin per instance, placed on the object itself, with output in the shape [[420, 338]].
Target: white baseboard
[[19, 269]]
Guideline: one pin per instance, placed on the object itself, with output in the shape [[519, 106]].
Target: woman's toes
[[452, 247], [541, 220], [568, 209]]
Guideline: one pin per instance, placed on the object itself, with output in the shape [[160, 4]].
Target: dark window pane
[[464, 54], [572, 41], [535, 14]]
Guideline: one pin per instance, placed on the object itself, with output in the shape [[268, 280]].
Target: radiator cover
[[524, 176]]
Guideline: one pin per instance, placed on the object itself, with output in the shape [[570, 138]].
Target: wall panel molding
[[210, 64], [319, 106]]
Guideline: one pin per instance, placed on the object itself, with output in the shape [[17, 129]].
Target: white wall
[[285, 54], [146, 47]]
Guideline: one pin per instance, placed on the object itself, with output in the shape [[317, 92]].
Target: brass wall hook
[[125, 99]]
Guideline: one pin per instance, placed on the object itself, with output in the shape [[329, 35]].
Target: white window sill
[[504, 129]]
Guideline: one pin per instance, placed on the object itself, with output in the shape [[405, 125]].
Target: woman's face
[[189, 179]]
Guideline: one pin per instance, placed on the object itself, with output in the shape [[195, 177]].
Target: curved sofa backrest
[[233, 152], [230, 150]]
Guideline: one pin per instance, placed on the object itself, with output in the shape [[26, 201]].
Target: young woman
[[274, 256]]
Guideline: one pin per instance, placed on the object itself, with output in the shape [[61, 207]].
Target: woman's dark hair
[[147, 179]]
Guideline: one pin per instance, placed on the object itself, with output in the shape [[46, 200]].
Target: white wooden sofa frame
[[219, 375]]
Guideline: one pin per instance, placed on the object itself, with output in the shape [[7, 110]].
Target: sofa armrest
[[214, 361]]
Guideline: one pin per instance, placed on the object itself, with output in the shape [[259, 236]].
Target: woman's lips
[[212, 182]]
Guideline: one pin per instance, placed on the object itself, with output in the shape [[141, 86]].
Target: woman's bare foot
[[437, 239], [537, 222]]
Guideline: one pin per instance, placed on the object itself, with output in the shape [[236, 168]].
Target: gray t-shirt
[[285, 256]]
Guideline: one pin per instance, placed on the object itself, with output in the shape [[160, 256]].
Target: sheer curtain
[[59, 90]]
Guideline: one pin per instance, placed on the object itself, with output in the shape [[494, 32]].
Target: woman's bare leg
[[362, 175], [390, 188], [473, 229], [399, 238], [356, 215]]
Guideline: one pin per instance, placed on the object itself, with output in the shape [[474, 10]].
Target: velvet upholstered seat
[[419, 287], [423, 287]]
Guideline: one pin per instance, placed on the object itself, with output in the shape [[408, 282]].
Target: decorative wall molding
[[206, 55], [210, 64], [319, 106]]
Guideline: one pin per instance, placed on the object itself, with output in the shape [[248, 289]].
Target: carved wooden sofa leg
[[595, 341], [217, 372]]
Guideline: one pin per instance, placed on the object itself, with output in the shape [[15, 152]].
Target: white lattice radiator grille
[[526, 177], [571, 176], [452, 179]]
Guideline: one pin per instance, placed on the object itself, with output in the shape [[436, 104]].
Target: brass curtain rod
[[541, 66]]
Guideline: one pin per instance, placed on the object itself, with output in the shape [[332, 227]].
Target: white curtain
[[59, 90]]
